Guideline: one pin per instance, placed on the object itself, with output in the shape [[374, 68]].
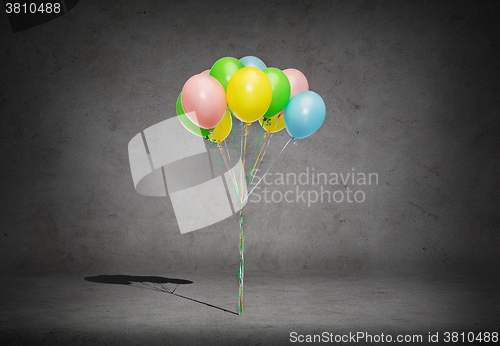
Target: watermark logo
[[311, 187]]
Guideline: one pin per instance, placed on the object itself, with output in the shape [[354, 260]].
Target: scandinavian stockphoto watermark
[[311, 187]]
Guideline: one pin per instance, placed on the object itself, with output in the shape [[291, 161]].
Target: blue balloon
[[253, 62], [304, 114]]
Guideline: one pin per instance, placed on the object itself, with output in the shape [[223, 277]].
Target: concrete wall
[[411, 92]]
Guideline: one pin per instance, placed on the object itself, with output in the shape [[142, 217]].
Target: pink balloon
[[206, 72], [204, 100], [298, 82]]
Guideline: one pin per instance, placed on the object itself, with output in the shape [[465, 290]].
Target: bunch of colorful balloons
[[250, 91]]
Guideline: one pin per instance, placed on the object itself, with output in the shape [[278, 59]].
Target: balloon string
[[277, 121], [257, 148], [232, 128], [248, 194], [241, 145], [258, 141], [261, 158], [229, 156], [232, 175], [242, 237], [255, 163], [222, 130], [224, 157], [233, 183], [220, 160], [234, 140], [228, 167], [242, 264], [245, 129]]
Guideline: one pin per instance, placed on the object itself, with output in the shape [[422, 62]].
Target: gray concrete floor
[[66, 309]]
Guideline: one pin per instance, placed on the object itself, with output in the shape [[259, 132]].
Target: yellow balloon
[[249, 94], [222, 130], [273, 124]]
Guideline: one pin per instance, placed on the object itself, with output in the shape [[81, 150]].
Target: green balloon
[[188, 124], [281, 91], [224, 68]]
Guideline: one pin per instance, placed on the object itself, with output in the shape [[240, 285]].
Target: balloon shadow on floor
[[156, 283]]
